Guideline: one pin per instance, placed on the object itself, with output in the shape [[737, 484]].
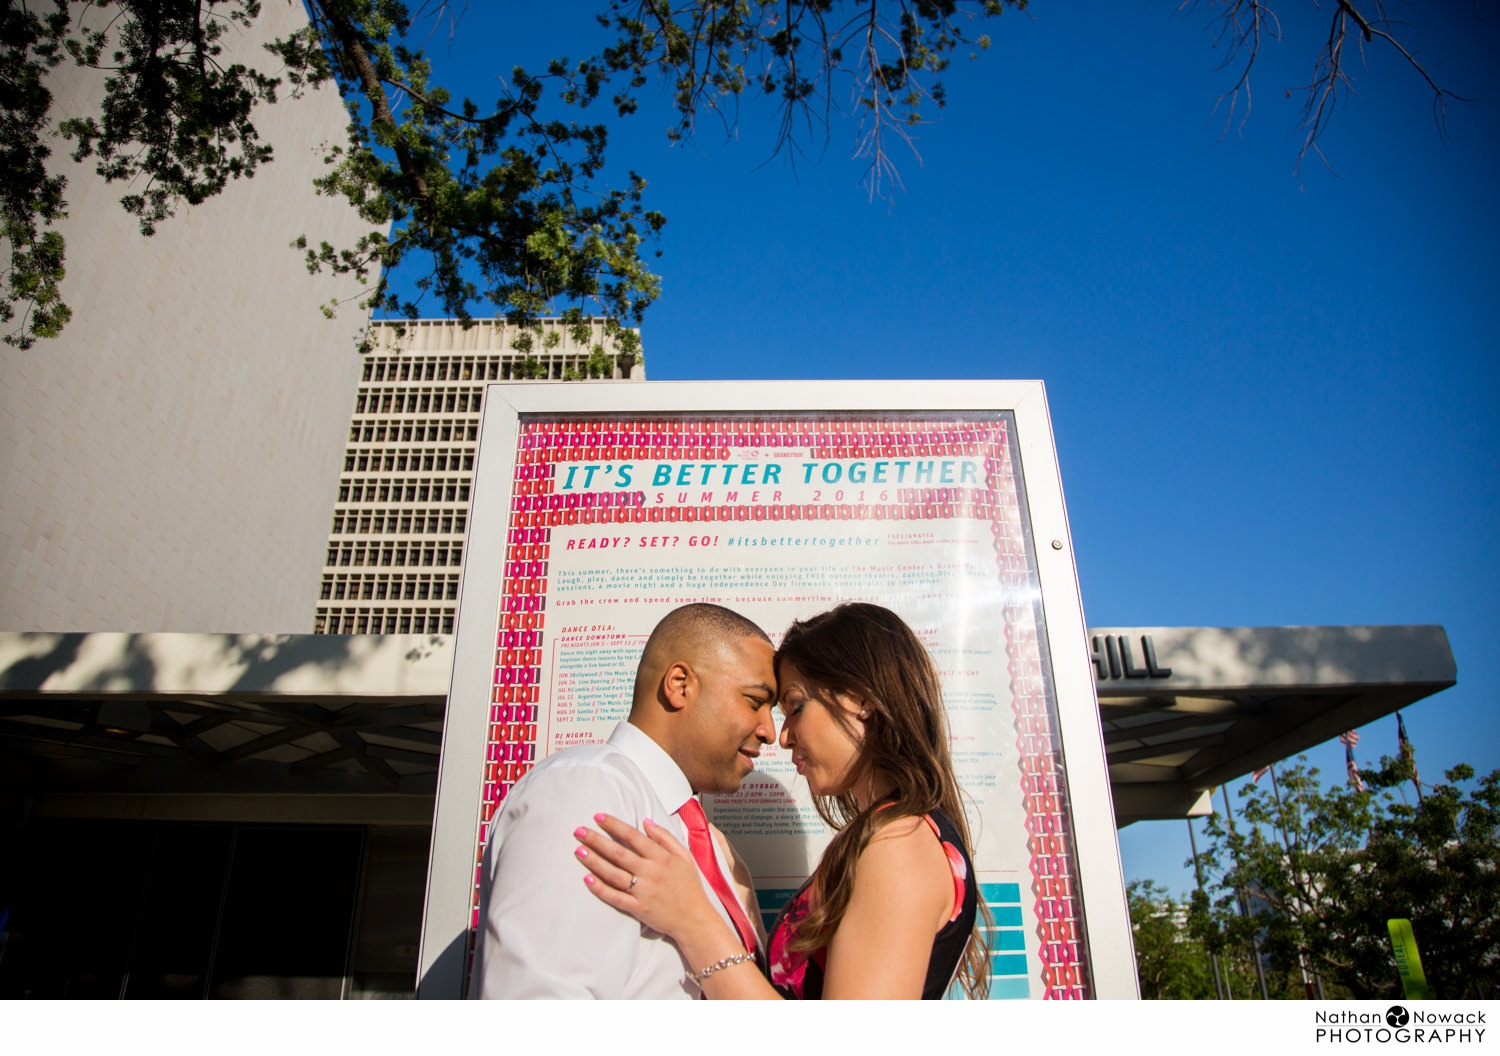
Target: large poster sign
[[612, 518]]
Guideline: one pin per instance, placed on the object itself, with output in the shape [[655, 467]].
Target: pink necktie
[[701, 843]]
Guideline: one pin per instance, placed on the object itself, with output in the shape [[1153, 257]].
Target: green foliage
[[804, 53], [1171, 962], [1324, 868], [498, 206], [173, 117], [30, 199], [501, 206]]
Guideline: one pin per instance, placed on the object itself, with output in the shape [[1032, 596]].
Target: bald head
[[685, 634], [703, 692]]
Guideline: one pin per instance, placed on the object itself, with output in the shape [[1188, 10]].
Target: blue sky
[[1274, 400]]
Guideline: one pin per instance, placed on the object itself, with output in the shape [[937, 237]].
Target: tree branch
[[352, 43]]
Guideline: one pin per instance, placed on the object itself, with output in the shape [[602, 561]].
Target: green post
[[1408, 960]]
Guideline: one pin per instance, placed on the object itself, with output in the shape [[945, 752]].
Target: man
[[700, 712]]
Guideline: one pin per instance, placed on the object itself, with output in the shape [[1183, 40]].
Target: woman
[[890, 910]]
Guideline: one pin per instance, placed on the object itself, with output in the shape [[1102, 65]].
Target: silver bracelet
[[727, 962]]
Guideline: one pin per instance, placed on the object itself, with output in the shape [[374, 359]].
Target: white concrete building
[[166, 464]]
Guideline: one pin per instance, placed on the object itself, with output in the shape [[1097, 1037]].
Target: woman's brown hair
[[869, 653]]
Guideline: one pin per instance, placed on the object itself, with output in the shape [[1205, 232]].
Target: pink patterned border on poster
[[1043, 780], [546, 443]]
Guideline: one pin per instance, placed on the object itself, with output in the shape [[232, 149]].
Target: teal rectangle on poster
[[1007, 940], [1008, 964], [1017, 989], [1010, 989], [993, 893], [1006, 916], [771, 899]]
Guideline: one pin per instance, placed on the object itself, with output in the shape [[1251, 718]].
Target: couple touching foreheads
[[602, 879]]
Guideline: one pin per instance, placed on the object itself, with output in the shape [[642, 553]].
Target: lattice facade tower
[[396, 545]]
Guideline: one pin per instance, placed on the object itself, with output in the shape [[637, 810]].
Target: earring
[[863, 714]]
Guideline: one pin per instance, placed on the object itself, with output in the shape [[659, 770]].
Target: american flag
[[1256, 775], [1349, 740]]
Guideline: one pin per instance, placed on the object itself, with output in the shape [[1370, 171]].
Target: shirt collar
[[662, 772]]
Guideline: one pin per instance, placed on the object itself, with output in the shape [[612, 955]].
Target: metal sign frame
[[1099, 879]]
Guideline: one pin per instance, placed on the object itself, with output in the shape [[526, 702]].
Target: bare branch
[[891, 52], [1241, 27]]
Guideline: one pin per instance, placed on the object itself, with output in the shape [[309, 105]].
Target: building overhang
[[331, 726], [1185, 709], [265, 727]]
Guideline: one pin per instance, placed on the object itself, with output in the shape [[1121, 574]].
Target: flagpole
[[1260, 971], [1212, 956], [1313, 993]]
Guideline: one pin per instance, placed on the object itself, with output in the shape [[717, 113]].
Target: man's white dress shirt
[[542, 933]]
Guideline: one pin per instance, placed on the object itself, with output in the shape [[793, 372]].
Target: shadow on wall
[[1210, 657], [442, 980], [244, 664]]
